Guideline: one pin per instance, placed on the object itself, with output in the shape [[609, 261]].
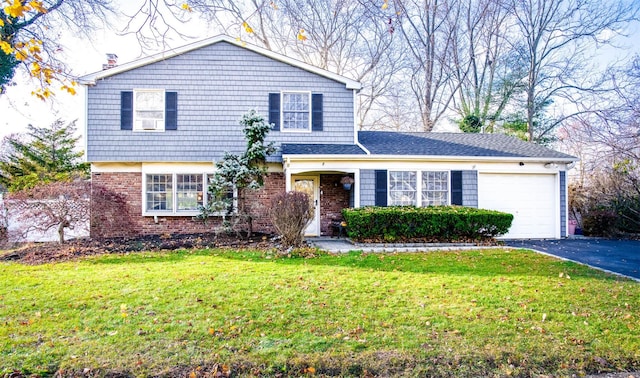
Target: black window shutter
[[316, 112], [456, 188], [171, 111], [126, 110], [274, 110], [381, 188]]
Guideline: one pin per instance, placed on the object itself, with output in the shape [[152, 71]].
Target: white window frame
[[137, 121], [418, 198], [174, 195], [423, 190], [282, 112], [145, 193], [390, 199], [200, 193]]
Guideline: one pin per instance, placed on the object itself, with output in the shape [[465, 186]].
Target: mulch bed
[[42, 253]]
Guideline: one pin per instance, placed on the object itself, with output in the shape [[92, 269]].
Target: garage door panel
[[530, 198]]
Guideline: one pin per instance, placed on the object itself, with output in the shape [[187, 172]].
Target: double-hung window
[[189, 192], [159, 193], [179, 194], [435, 188], [296, 111], [149, 109], [402, 188], [418, 188]]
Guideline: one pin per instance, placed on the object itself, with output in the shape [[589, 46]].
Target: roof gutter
[[414, 158]]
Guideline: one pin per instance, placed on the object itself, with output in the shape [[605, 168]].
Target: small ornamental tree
[[290, 214], [244, 173], [57, 205], [43, 155]]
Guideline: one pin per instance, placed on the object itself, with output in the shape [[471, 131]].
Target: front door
[[309, 185]]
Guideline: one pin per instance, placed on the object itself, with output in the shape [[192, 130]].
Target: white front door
[[309, 185]]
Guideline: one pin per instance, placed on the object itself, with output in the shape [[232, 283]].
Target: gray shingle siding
[[470, 188], [563, 203], [216, 85], [367, 187]]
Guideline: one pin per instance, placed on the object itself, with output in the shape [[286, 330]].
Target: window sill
[[296, 131], [170, 213]]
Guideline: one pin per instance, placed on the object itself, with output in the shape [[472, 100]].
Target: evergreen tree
[[243, 172], [43, 155]]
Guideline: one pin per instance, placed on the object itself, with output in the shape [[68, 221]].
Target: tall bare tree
[[486, 65], [429, 29], [560, 36]]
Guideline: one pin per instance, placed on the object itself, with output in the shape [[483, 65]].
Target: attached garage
[[491, 171], [531, 198]]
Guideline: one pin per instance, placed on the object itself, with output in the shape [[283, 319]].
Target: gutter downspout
[[355, 126]]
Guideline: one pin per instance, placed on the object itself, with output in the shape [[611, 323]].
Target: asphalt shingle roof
[[322, 149], [453, 144]]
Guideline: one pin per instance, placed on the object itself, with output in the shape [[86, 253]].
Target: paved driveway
[[620, 256]]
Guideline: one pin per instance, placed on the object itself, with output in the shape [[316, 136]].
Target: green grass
[[486, 312]]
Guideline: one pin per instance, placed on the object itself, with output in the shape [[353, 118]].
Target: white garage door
[[530, 198]]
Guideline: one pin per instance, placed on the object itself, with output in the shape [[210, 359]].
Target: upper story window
[[296, 111], [149, 109]]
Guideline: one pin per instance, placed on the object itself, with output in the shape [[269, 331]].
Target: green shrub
[[445, 223], [600, 222]]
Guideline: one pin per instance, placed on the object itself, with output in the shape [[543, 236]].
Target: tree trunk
[[61, 227]]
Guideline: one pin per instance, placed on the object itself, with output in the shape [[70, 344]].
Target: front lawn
[[193, 313]]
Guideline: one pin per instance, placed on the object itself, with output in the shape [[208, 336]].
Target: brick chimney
[[112, 61]]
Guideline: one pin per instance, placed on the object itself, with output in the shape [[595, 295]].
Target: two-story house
[[156, 126]]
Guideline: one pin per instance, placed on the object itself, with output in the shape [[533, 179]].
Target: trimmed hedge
[[445, 223]]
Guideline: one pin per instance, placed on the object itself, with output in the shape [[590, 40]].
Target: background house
[[155, 127]]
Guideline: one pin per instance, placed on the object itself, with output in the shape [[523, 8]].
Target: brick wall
[[333, 199], [124, 216], [260, 201]]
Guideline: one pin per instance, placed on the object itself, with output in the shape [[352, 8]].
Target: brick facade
[[121, 214], [333, 199], [125, 218]]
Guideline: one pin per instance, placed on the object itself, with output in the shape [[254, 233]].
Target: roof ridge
[[91, 78]]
